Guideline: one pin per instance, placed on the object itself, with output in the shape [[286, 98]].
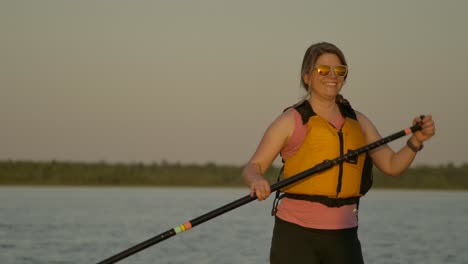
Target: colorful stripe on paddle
[[183, 227]]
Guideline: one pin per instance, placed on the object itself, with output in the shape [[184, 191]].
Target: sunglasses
[[324, 70]]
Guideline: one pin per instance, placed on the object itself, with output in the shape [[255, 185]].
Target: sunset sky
[[200, 81]]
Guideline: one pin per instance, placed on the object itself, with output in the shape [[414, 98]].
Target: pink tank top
[[312, 214]]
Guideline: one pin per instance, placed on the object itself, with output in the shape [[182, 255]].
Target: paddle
[[246, 199]]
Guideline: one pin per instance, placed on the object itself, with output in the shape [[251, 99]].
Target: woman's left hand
[[427, 128]]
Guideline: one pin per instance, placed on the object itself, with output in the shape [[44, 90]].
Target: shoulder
[[288, 117], [366, 125], [285, 123], [363, 120], [361, 117]]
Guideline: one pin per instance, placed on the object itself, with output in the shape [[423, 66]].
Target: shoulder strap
[[305, 110], [347, 111]]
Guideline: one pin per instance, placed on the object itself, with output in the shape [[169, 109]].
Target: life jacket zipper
[[340, 170]]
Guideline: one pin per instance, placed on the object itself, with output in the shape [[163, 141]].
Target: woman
[[316, 221]]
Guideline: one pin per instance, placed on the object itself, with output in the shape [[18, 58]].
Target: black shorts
[[294, 244]]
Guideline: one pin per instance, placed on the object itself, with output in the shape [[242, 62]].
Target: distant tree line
[[60, 173]]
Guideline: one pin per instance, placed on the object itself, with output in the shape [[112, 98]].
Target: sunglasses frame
[[332, 68]]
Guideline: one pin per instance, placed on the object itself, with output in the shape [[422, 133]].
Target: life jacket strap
[[277, 194], [327, 201]]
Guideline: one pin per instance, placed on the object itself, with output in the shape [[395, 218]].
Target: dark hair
[[313, 53]]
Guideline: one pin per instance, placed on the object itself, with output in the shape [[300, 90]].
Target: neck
[[327, 109], [323, 105]]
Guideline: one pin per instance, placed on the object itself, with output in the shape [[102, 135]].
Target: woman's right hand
[[270, 146], [261, 187]]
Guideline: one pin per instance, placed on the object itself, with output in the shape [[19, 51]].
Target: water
[[87, 225]]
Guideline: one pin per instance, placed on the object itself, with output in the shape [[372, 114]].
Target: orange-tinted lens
[[340, 71], [323, 70]]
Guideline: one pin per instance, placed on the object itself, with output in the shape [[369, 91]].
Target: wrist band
[[413, 147]]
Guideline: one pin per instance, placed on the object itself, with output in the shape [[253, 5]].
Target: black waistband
[[338, 232], [330, 202]]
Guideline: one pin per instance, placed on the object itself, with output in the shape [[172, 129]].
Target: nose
[[332, 74]]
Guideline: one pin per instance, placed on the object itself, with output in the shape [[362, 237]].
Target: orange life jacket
[[350, 179]]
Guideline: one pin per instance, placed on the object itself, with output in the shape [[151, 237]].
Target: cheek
[[318, 83]]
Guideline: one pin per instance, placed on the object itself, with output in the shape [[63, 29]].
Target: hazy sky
[[200, 81]]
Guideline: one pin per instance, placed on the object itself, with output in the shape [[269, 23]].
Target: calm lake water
[[87, 225]]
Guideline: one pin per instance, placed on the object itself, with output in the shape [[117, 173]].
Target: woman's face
[[329, 86]]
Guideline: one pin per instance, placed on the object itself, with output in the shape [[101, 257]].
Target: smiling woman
[[317, 212], [326, 83]]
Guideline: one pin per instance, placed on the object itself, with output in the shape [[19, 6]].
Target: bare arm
[[268, 149], [385, 159]]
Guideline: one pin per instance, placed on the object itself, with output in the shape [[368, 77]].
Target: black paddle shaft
[[246, 199]]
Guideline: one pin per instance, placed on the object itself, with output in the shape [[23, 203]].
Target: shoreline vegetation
[[64, 173]]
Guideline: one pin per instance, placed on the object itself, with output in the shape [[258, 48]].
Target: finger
[[429, 125], [427, 119], [252, 190], [429, 131], [265, 195], [262, 194], [259, 196], [429, 128]]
